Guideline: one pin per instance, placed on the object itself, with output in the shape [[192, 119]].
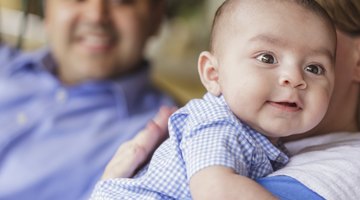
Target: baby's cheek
[[319, 106]]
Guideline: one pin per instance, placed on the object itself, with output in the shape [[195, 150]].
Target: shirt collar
[[277, 153], [129, 89], [37, 60], [126, 89]]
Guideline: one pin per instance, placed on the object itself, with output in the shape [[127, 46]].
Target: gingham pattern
[[203, 133]]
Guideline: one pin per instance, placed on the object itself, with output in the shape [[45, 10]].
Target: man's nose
[[292, 78], [97, 11]]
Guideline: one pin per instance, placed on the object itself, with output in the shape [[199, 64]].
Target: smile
[[96, 43], [286, 106]]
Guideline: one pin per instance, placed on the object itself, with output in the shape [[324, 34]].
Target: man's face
[[99, 39]]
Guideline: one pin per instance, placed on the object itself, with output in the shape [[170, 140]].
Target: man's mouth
[[96, 43], [92, 40]]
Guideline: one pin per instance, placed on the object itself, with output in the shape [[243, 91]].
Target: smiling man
[[65, 109], [95, 39]]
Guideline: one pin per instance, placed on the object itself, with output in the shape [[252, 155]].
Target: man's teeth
[[96, 41]]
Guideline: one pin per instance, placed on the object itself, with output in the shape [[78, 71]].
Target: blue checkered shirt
[[203, 133]]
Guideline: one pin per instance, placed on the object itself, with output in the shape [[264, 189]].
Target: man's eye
[[266, 58], [315, 69]]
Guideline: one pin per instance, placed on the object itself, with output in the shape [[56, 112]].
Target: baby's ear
[[209, 72]]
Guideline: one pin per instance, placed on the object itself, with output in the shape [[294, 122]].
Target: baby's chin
[[276, 133]]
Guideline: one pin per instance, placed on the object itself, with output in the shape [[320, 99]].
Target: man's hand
[[133, 154]]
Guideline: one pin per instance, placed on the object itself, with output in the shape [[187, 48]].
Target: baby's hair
[[228, 7]]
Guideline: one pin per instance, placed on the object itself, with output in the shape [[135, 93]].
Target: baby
[[269, 73]]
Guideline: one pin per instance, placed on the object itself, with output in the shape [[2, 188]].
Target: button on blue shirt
[[55, 140], [203, 133]]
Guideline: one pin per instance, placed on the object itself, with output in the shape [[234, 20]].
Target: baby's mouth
[[290, 104], [287, 106]]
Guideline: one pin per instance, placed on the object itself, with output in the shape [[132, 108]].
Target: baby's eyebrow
[[324, 51], [268, 39], [273, 40]]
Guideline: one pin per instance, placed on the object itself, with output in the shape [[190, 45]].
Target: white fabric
[[329, 165]]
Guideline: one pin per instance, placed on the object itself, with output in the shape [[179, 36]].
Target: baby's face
[[276, 67]]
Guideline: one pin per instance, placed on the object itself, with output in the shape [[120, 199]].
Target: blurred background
[[173, 53]]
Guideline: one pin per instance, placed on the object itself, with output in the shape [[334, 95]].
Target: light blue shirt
[[204, 133], [55, 140], [288, 188]]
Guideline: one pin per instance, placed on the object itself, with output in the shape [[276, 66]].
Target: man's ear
[[357, 57], [209, 72]]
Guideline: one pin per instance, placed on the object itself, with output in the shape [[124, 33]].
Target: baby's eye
[[315, 69], [266, 58]]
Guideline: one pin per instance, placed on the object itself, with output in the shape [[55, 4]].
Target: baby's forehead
[[237, 16], [234, 10]]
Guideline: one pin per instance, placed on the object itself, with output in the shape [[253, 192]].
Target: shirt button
[[21, 118], [61, 96]]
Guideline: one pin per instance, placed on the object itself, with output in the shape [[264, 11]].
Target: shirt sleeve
[[286, 188], [215, 143]]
